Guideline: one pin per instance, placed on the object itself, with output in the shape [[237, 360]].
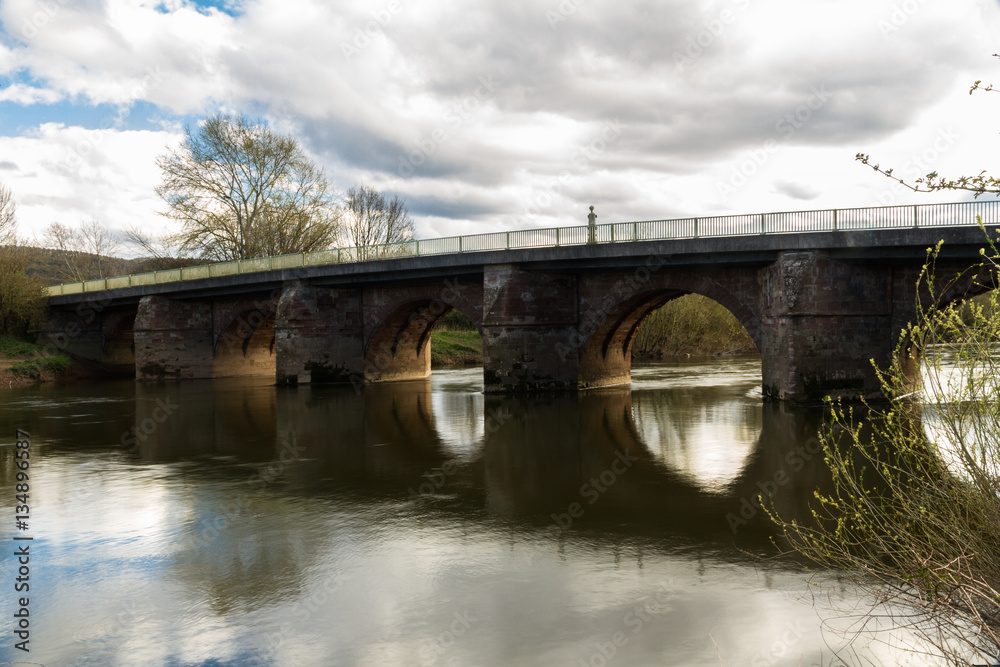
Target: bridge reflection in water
[[680, 454], [377, 519]]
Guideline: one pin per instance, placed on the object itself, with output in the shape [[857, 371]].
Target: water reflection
[[323, 525]]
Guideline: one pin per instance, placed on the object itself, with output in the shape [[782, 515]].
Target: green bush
[[914, 514]]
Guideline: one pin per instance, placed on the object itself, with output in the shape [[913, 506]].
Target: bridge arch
[[399, 344], [610, 321], [244, 344], [118, 351]]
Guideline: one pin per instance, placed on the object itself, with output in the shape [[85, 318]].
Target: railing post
[[834, 219], [508, 240], [635, 230], [696, 227], [338, 255], [557, 237], [418, 247], [762, 223], [916, 219], [460, 244], [612, 233]]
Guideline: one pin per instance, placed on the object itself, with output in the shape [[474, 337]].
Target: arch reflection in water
[[261, 502]]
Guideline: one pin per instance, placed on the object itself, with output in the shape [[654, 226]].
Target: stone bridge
[[818, 306]]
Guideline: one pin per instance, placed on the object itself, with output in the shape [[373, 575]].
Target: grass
[[32, 369], [456, 348], [33, 359], [11, 347]]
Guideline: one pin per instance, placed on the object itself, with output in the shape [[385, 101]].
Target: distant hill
[[57, 266]]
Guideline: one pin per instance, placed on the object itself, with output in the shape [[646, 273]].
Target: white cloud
[[392, 94], [71, 174]]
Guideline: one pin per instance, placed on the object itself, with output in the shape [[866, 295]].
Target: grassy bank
[[456, 348], [23, 363]]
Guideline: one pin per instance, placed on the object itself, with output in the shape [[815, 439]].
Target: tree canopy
[[21, 297], [8, 216], [240, 191]]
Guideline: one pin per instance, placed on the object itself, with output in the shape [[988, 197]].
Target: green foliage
[[691, 324], [33, 368], [11, 347], [22, 300], [914, 516], [456, 348], [454, 320]]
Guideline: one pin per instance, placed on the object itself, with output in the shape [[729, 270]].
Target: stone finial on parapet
[[592, 226]]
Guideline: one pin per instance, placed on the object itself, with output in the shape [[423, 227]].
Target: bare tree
[[8, 216], [978, 184], [373, 219], [241, 191], [86, 253]]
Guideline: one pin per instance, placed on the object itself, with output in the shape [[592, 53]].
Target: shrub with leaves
[[914, 514]]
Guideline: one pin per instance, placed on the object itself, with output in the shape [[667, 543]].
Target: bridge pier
[[529, 320], [173, 339], [318, 335], [822, 322]]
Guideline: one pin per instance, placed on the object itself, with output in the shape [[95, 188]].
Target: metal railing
[[845, 219]]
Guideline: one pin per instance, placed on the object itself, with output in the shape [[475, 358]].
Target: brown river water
[[223, 523]]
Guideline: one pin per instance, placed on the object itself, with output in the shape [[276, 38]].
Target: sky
[[505, 115]]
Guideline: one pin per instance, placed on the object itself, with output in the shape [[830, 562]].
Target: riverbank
[[456, 348], [23, 364]]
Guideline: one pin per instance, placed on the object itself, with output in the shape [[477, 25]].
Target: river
[[219, 523]]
